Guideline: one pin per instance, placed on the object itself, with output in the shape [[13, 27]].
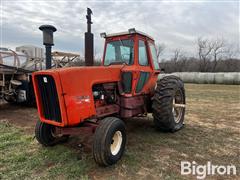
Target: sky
[[177, 24]]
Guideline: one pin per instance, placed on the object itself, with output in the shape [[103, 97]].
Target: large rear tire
[[109, 141], [169, 104]]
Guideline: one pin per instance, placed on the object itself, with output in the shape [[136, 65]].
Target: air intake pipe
[[48, 42]]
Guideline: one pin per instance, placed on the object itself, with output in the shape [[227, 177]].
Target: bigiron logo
[[208, 169]]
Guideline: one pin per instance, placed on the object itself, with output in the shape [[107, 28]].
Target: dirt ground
[[211, 133], [21, 116]]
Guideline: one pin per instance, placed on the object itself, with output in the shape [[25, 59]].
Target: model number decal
[[81, 99]]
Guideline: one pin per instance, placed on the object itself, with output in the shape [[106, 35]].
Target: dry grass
[[211, 134]]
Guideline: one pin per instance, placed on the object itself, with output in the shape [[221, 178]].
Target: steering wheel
[[125, 56], [117, 62]]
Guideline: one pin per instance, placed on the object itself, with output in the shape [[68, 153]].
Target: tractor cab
[[136, 51]]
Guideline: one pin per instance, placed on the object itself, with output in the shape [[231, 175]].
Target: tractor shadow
[[83, 142]]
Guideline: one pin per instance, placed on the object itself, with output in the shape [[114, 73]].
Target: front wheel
[[169, 104], [45, 134], [109, 141]]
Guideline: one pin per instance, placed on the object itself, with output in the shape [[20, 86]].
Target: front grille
[[49, 98]]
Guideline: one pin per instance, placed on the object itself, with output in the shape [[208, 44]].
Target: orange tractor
[[103, 97]]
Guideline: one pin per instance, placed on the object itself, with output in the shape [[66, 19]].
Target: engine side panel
[[74, 87]]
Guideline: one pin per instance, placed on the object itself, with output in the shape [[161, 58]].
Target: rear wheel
[[109, 141], [169, 104]]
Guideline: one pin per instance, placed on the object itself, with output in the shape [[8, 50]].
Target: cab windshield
[[119, 52]]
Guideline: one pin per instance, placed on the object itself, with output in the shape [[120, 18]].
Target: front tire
[[44, 133], [109, 141], [169, 104]]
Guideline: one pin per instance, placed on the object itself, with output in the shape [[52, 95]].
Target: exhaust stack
[[48, 42], [89, 40]]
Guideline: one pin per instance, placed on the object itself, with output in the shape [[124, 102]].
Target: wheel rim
[[178, 106], [53, 132], [116, 142]]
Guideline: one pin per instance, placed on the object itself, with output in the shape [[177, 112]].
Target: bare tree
[[160, 50], [214, 55], [219, 48], [230, 59], [179, 60], [231, 51], [183, 63], [205, 48], [176, 55]]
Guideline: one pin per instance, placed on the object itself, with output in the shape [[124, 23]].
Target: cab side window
[[154, 56], [142, 53]]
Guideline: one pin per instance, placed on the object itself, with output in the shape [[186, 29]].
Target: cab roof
[[130, 31]]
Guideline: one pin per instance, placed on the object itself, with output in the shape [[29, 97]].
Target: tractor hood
[[74, 91]]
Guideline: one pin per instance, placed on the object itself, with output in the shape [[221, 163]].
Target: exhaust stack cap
[[48, 34], [103, 35], [132, 31]]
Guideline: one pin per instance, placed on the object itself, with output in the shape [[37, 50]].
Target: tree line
[[212, 55]]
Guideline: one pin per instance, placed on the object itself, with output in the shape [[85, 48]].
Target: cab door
[[147, 65], [144, 67], [154, 65]]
